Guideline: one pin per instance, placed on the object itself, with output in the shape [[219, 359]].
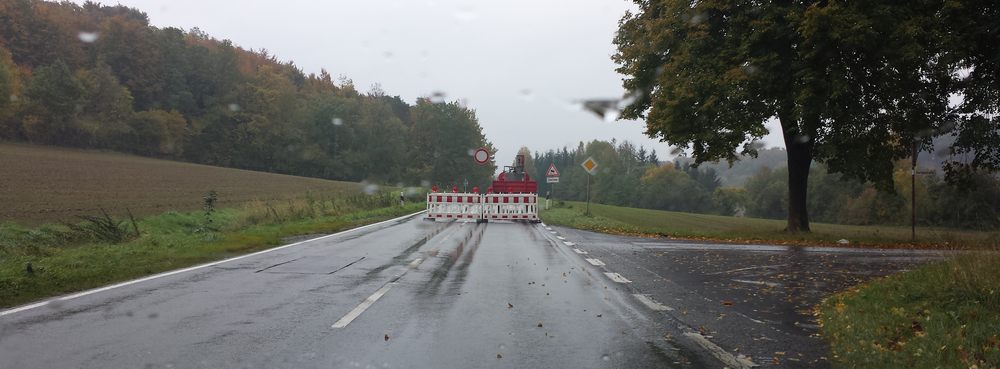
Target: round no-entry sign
[[481, 156]]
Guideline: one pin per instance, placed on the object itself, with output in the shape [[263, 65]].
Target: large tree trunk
[[799, 159]]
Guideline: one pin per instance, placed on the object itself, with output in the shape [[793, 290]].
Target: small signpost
[[551, 176], [591, 167]]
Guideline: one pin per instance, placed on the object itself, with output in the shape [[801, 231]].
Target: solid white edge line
[[650, 303], [725, 357], [188, 269], [364, 305], [617, 278], [595, 262]]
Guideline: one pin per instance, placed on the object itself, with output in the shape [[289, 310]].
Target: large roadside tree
[[851, 84]]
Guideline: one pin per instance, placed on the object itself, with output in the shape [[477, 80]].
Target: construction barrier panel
[[502, 206], [510, 206], [454, 206]]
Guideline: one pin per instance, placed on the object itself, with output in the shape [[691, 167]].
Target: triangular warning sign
[[552, 172]]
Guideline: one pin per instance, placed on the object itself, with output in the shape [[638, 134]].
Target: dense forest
[[95, 76], [632, 176]]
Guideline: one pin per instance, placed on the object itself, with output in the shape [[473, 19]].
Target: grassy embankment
[[944, 315], [44, 186]]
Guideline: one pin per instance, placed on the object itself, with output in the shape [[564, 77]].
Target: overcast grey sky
[[519, 63]]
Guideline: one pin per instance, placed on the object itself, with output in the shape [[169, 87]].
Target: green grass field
[[44, 190], [46, 184], [943, 315], [622, 220]]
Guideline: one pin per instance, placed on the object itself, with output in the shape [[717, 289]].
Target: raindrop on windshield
[[387, 55], [88, 37], [369, 188], [337, 121], [605, 357], [606, 109], [437, 97], [234, 107], [526, 94], [466, 14], [802, 138], [13, 98]]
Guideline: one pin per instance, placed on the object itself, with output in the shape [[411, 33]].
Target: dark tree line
[[634, 177], [97, 76]]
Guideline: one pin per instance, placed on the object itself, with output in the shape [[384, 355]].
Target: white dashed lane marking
[[652, 304], [569, 243], [561, 237], [581, 252], [617, 278], [595, 262]]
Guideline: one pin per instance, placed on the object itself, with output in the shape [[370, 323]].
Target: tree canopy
[[100, 76], [852, 84]]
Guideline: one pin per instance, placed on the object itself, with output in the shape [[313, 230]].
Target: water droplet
[[466, 14], [337, 121], [527, 94], [697, 19], [802, 138], [88, 37], [502, 346], [605, 357], [606, 109], [437, 97], [369, 188], [13, 98], [425, 183], [234, 107], [387, 56], [472, 152]]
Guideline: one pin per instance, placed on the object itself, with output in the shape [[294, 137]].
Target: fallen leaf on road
[[510, 306], [499, 356], [387, 337], [539, 324], [727, 303], [600, 315]]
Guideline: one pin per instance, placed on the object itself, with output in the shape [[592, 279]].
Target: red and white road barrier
[[454, 206], [510, 206], [503, 206]]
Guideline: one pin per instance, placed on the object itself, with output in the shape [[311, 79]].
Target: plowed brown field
[[42, 184]]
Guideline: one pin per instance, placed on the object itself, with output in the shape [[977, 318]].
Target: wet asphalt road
[[416, 294]]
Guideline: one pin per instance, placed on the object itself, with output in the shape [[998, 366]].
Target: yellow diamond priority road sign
[[590, 165]]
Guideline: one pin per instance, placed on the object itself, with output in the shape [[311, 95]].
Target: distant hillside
[[40, 184], [773, 158], [741, 170], [95, 76]]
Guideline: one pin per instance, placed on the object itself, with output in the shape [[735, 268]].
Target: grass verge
[[62, 263], [944, 315], [657, 223]]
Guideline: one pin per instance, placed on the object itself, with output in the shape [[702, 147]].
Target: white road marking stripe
[[548, 228], [595, 262], [553, 232], [196, 267], [748, 268], [761, 283], [652, 304], [561, 237], [347, 319], [569, 243], [726, 358], [617, 278], [581, 252]]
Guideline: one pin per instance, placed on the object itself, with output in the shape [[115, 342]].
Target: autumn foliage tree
[[852, 84], [101, 77]]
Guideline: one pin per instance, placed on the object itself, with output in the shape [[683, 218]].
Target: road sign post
[[591, 167], [551, 177]]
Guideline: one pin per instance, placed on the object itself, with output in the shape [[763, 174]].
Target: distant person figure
[[402, 199]]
